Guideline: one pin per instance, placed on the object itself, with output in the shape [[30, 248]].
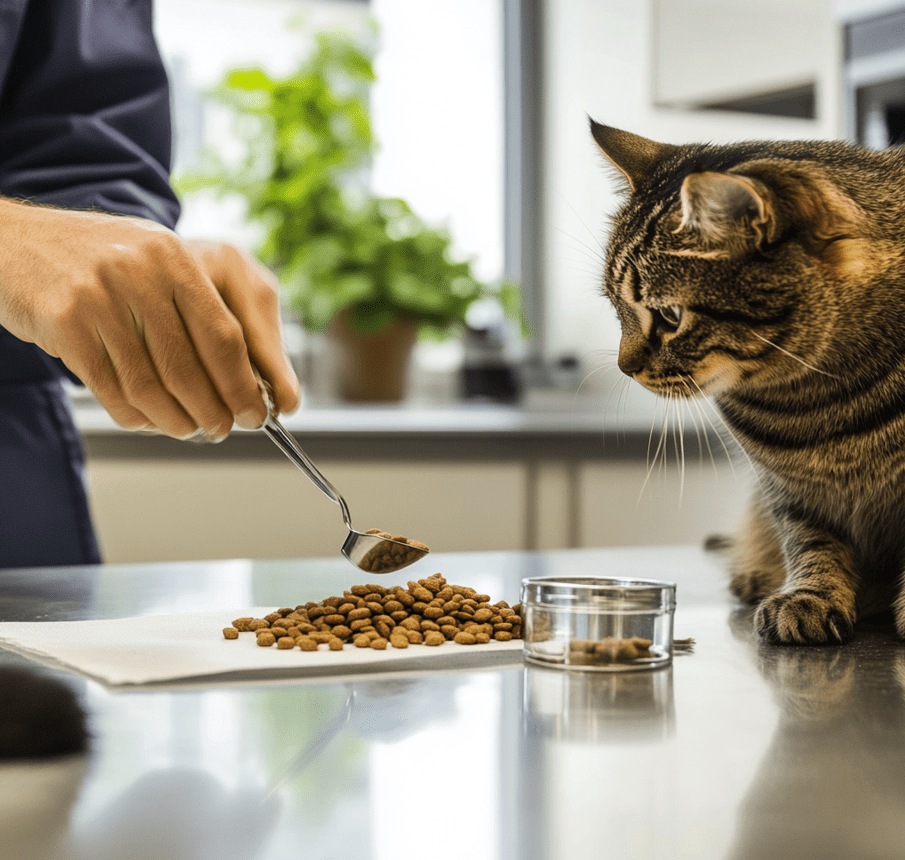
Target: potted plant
[[365, 269]]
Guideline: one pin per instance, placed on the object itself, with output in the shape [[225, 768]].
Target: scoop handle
[[284, 441]]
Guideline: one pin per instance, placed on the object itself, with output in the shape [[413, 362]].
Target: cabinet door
[[620, 505], [188, 510]]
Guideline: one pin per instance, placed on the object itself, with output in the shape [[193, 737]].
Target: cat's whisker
[[600, 244], [621, 406], [677, 443], [797, 358], [596, 256], [609, 365], [660, 446], [591, 270], [690, 415], [605, 367], [670, 429], [706, 417], [729, 431], [675, 423], [659, 461], [598, 354], [650, 437], [621, 380], [680, 421], [697, 406]]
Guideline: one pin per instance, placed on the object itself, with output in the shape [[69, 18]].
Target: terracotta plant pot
[[373, 367]]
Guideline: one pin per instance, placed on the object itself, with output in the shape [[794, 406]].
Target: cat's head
[[723, 263]]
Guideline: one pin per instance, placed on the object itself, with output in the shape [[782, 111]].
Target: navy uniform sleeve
[[84, 111], [84, 124]]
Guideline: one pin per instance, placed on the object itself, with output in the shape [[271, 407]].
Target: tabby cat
[[770, 276]]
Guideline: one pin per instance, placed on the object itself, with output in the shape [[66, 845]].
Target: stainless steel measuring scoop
[[372, 552]]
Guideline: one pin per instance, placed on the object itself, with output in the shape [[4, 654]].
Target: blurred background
[[422, 180]]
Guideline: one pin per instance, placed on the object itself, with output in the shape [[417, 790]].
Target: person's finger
[[251, 292], [182, 375], [137, 381], [95, 369], [260, 309], [276, 369], [219, 341]]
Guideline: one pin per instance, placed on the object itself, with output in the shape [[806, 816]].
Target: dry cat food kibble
[[602, 652], [427, 612], [392, 553]]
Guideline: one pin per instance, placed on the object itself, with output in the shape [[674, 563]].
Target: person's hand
[[164, 332]]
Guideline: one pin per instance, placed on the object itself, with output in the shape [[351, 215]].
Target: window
[[437, 104]]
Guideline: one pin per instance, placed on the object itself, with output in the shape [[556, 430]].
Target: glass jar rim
[[615, 593]]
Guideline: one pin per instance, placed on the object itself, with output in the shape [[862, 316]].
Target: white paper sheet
[[159, 648]]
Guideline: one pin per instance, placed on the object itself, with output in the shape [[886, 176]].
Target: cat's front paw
[[803, 618]]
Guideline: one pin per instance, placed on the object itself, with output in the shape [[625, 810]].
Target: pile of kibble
[[427, 612]]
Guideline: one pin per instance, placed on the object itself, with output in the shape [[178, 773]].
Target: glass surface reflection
[[597, 763], [595, 708]]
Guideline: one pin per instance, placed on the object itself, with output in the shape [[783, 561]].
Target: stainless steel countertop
[[739, 750]]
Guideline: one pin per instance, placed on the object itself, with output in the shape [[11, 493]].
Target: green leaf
[[249, 79]]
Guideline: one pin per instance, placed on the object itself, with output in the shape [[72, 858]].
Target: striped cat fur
[[770, 276]]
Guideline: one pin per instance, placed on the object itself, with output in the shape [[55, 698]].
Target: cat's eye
[[671, 315]]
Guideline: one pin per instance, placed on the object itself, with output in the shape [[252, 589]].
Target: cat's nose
[[632, 357]]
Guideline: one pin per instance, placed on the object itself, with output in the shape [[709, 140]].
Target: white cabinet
[[213, 509], [189, 508]]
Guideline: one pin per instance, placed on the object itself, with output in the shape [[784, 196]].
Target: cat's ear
[[635, 157], [728, 213]]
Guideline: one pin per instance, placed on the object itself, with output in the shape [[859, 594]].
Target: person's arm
[[84, 111], [161, 330]]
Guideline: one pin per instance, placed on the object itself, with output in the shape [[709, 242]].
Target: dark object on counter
[[565, 373], [40, 717], [486, 374]]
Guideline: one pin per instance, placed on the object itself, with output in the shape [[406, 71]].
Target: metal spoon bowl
[[371, 552]]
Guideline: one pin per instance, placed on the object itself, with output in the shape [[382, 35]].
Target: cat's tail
[[720, 544]]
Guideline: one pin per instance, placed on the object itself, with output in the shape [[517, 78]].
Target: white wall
[[598, 64]]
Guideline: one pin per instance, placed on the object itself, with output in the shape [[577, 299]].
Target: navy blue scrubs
[[84, 124]]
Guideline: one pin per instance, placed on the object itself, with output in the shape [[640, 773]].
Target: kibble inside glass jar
[[598, 624]]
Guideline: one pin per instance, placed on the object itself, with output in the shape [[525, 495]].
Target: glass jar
[[598, 624]]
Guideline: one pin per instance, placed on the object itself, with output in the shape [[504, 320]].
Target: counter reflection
[[360, 769], [832, 783], [597, 763]]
